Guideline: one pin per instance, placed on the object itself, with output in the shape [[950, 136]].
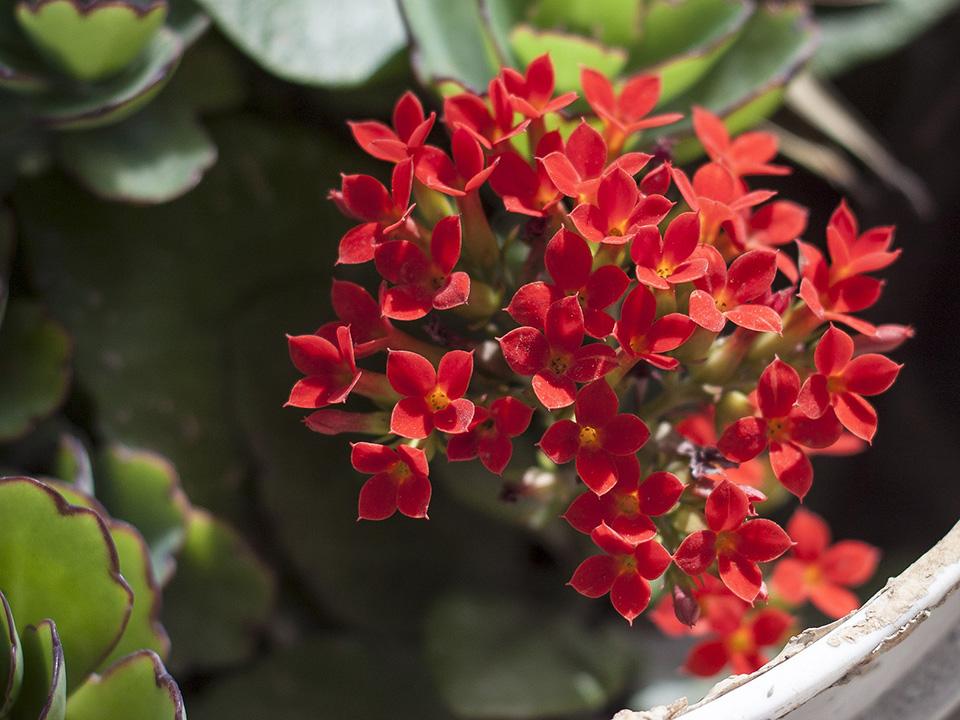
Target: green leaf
[[93, 41], [43, 693], [451, 41], [143, 489], [326, 678], [143, 631], [155, 156], [34, 368], [613, 22], [57, 561], [858, 35], [681, 41], [219, 598], [499, 659], [568, 52], [314, 42], [137, 687], [110, 101], [11, 659], [156, 373], [773, 45]]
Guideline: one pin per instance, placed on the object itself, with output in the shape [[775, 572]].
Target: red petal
[[741, 576], [411, 419], [703, 311], [833, 601], [539, 79], [454, 373], [605, 286], [814, 432], [462, 447], [562, 173], [778, 223], [625, 434], [762, 540], [758, 318], [366, 197], [850, 562], [617, 196], [778, 389], [495, 452], [372, 458], [568, 260], [590, 222], [561, 441], [810, 533], [530, 304], [445, 243], [681, 237], [726, 507], [707, 659], [401, 262], [744, 439], [649, 277], [711, 132], [639, 96], [856, 415], [597, 90], [871, 374], [597, 470], [410, 374], [585, 512], [635, 529], [413, 496], [358, 244], [770, 625], [404, 302], [659, 493], [587, 151], [789, 580], [696, 552], [455, 418], [467, 154], [688, 271], [407, 115], [356, 307], [630, 595], [564, 325], [511, 416], [610, 541], [595, 575], [526, 350], [367, 134], [833, 352], [669, 332], [652, 559], [814, 398], [792, 468], [596, 404], [313, 355], [553, 390], [378, 498], [455, 292]]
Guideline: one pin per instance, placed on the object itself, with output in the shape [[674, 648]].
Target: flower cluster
[[663, 336]]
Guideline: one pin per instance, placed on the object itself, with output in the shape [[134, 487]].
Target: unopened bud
[[685, 607]]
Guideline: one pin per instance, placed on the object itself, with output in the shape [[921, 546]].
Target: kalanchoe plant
[[657, 337]]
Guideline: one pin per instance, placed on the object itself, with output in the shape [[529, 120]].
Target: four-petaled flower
[[330, 369], [723, 294], [664, 262], [464, 174], [626, 113], [624, 571], [431, 399], [596, 437], [531, 94], [741, 648], [783, 427], [422, 283], [643, 336], [619, 209], [491, 433], [842, 380], [405, 139], [491, 126], [628, 507], [355, 308], [557, 358], [524, 189], [749, 154], [821, 572], [400, 480], [735, 543]]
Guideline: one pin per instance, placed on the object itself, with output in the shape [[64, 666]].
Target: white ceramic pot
[[896, 658]]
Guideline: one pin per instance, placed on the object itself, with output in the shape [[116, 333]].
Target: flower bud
[[685, 607]]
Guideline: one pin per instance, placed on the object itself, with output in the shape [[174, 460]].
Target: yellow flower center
[[400, 472], [437, 400], [740, 641], [589, 436], [559, 364], [778, 429], [664, 271], [628, 504], [836, 384]]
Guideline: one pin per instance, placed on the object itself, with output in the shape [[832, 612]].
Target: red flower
[[555, 357], [783, 427], [596, 437], [627, 508], [741, 648], [576, 168], [421, 283], [570, 263], [624, 571], [490, 434], [772, 225], [410, 129], [834, 291], [724, 294], [491, 126], [465, 173], [365, 198], [641, 336], [821, 572], [330, 369], [715, 610], [531, 94], [841, 381], [734, 542], [626, 113], [356, 309], [664, 262], [619, 209], [431, 399], [700, 429], [399, 480], [526, 190], [749, 154]]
